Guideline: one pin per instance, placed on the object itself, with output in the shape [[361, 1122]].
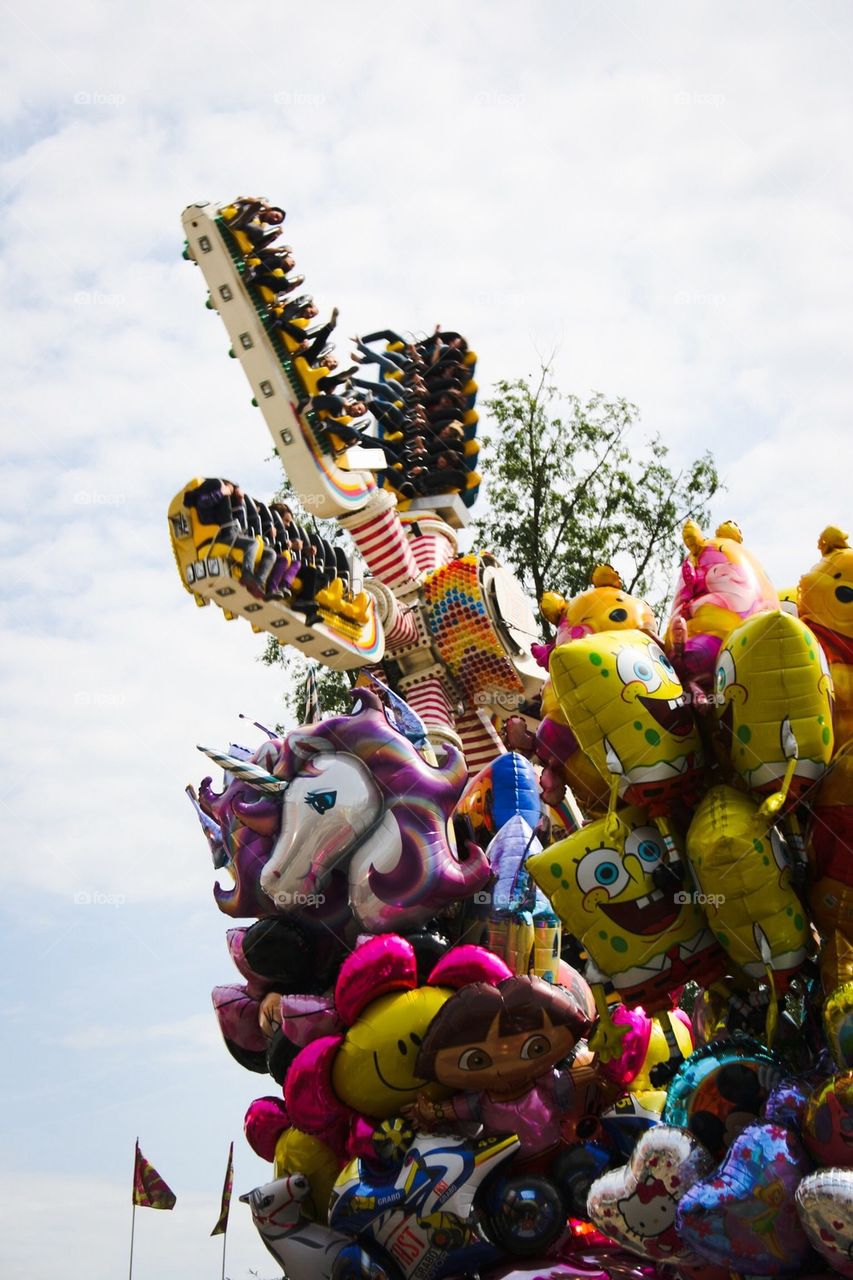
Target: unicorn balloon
[[360, 791], [354, 792]]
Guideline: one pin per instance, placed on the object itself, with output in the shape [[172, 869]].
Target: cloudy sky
[[661, 192]]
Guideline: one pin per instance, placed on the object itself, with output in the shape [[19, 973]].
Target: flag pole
[[224, 1239], [133, 1213], [132, 1227]]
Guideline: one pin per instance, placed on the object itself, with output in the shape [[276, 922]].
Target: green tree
[[570, 486], [332, 686]]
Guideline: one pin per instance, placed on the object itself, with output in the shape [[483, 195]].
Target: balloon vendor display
[[544, 947]]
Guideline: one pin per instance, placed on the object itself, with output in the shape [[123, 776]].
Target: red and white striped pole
[[480, 740], [433, 542], [427, 695], [399, 622], [380, 537]]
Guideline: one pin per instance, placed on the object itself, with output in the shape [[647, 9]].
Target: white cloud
[[660, 193]]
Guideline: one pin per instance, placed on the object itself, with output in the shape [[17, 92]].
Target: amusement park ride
[[452, 633], [455, 1096]]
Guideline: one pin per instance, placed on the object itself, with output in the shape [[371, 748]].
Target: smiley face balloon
[[646, 941], [627, 708]]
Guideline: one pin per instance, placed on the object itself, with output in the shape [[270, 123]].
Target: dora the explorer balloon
[[720, 585], [498, 1049]]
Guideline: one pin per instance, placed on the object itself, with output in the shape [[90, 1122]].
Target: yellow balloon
[[825, 600], [773, 695], [838, 1024], [600, 883], [745, 888], [298, 1152], [606, 606], [658, 1051], [627, 708], [374, 1069]]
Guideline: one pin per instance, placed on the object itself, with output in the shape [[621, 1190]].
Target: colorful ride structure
[[451, 632]]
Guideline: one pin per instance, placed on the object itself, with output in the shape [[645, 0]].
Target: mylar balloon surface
[[744, 877], [647, 941], [636, 1204], [626, 705], [825, 1206], [721, 1089], [774, 699], [743, 1216]]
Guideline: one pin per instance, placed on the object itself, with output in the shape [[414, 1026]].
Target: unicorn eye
[[321, 801]]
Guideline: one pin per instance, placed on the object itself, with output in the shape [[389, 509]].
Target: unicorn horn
[[247, 772], [263, 728]]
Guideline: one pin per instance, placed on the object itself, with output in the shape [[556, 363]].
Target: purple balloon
[[744, 1217]]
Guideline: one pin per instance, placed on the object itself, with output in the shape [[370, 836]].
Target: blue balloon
[[744, 1217], [720, 1089]]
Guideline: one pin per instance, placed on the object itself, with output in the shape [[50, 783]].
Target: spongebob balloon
[[627, 708], [646, 941], [605, 606], [721, 584], [744, 876], [774, 700]]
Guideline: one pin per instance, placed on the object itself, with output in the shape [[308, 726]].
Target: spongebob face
[[604, 892], [374, 1070], [774, 697], [627, 708]]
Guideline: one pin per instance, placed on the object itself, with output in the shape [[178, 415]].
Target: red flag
[[149, 1189], [222, 1223]]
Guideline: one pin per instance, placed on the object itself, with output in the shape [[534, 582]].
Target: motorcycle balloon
[[525, 1214]]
